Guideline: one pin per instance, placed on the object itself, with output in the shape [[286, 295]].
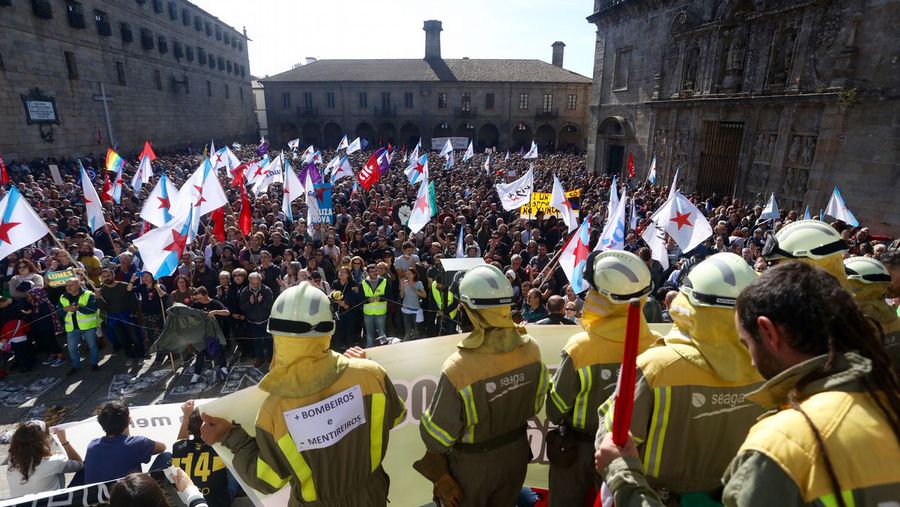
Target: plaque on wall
[[40, 108]]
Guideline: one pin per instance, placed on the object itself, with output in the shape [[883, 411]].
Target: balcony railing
[[547, 114]]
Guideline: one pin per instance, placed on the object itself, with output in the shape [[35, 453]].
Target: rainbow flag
[[114, 163]]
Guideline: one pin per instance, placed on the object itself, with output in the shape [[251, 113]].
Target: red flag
[[369, 173], [218, 217], [624, 404], [631, 165], [4, 176], [237, 175], [148, 151], [246, 219], [106, 194]]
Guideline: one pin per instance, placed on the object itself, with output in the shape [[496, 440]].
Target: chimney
[[432, 39], [559, 48]]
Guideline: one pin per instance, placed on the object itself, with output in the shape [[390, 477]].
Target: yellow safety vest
[[85, 320], [440, 302], [379, 308]]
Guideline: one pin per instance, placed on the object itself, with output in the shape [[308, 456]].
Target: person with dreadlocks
[[832, 436]]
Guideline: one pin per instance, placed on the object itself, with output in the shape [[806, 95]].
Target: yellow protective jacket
[[329, 475]]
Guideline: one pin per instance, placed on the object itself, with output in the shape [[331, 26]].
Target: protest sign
[[54, 172], [58, 278], [326, 206], [458, 143], [540, 202]]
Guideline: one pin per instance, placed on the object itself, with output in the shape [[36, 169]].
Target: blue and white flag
[[613, 235], [161, 248], [343, 144], [651, 176], [355, 146], [634, 220], [806, 215], [450, 161], [91, 202], [770, 211], [157, 209], [470, 152], [447, 149], [342, 170], [487, 164], [613, 198], [533, 152], [838, 209], [459, 243], [417, 170]]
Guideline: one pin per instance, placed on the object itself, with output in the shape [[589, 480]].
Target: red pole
[[625, 391]]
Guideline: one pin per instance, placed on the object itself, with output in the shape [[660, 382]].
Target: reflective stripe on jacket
[[379, 308], [85, 320], [439, 301]]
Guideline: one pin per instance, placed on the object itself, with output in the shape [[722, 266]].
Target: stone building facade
[[749, 97], [166, 71], [496, 103]]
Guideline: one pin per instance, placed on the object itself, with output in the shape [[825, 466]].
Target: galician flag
[[342, 170], [573, 257], [421, 213], [806, 215], [294, 143], [117, 185], [161, 248], [293, 190], [447, 149], [450, 161], [272, 173], [415, 152], [344, 144], [224, 158], [308, 154], [355, 146], [470, 152], [613, 198], [487, 164], [533, 152], [201, 194], [20, 226], [417, 170], [559, 201], [460, 242], [145, 170], [838, 209], [256, 170], [651, 176], [613, 235], [157, 208], [91, 201], [674, 187], [770, 211], [682, 221]]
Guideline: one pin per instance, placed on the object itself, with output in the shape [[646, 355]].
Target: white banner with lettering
[[518, 193]]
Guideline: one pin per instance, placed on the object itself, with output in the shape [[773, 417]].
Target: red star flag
[[293, 190], [91, 201], [161, 248], [20, 226], [342, 170], [682, 221], [202, 193], [421, 213], [559, 201], [574, 256], [272, 173], [157, 208], [145, 170]]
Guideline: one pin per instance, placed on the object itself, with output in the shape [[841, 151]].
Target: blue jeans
[[120, 332], [374, 328], [73, 338]]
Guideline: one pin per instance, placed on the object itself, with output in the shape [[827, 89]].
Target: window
[[201, 55], [208, 27], [212, 61], [208, 88], [157, 75], [185, 17], [286, 100], [198, 24], [243, 71], [147, 39], [307, 101], [2, 65], [489, 101], [42, 9], [227, 92], [408, 100], [189, 53], [75, 12], [71, 65], [329, 99], [620, 75], [523, 101], [226, 38], [548, 102], [442, 100], [163, 45], [103, 27], [385, 101], [127, 34], [221, 63], [241, 46], [120, 73], [218, 32], [363, 100], [241, 89], [572, 102], [465, 102], [228, 67], [173, 11], [157, 6], [177, 50]]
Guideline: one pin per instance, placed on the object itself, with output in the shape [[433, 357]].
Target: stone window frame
[[465, 102], [363, 100], [71, 65], [547, 103], [286, 100], [442, 100], [617, 70], [408, 99], [157, 77], [329, 100], [572, 102], [120, 73], [523, 101], [490, 101]]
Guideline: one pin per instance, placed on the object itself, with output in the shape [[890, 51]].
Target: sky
[[285, 32]]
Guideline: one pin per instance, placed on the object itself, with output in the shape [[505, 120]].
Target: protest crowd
[[83, 291]]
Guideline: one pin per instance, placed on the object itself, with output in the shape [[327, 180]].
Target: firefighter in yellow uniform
[[690, 415], [830, 437], [869, 280], [324, 426], [588, 371], [812, 242], [475, 428]]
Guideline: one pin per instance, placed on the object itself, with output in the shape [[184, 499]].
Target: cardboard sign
[[540, 202], [56, 279]]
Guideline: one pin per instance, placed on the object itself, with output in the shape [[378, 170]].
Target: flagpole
[[554, 261]]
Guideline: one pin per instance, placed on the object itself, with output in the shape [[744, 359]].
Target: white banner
[[518, 193], [325, 423], [458, 143]]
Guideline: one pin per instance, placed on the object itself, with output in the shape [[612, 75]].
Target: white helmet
[[718, 280], [618, 275], [302, 310], [485, 286], [812, 239], [866, 270]]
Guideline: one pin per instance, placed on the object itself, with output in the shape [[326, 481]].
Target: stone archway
[[387, 134], [365, 131], [310, 133], [569, 139], [613, 133], [488, 136], [466, 130], [545, 138], [288, 132], [410, 135], [441, 130], [331, 135], [521, 137]]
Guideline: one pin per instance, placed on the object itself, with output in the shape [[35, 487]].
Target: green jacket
[[186, 326], [779, 463]]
